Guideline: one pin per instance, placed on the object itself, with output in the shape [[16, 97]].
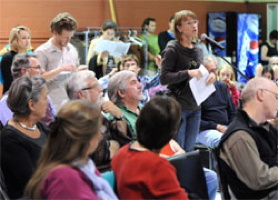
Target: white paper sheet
[[199, 88], [117, 49]]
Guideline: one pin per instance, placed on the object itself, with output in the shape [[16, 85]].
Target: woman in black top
[[23, 137], [269, 48], [180, 62]]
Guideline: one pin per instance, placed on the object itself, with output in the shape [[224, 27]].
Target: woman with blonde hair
[[64, 170], [226, 74], [20, 42]]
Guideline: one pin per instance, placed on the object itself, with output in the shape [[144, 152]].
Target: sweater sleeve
[[66, 183], [169, 74], [235, 95], [206, 125]]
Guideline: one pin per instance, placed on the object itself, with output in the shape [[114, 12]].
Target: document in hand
[[200, 90], [117, 49]]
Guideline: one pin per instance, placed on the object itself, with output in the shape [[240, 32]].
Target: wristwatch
[[119, 118]]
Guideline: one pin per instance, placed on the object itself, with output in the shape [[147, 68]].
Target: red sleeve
[[235, 95], [67, 183], [166, 185]]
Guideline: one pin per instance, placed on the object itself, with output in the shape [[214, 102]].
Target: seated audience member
[[217, 111], [136, 178], [131, 63], [273, 64], [248, 150], [125, 91], [24, 64], [24, 135], [226, 75], [101, 62], [84, 85], [268, 73], [64, 170]]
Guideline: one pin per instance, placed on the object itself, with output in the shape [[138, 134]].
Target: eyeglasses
[[37, 67], [192, 22], [96, 86], [275, 93]]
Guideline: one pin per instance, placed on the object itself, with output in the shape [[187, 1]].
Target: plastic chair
[[190, 173], [109, 176], [223, 189]]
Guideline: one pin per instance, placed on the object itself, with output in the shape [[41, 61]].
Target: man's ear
[[260, 95], [23, 71], [80, 95], [121, 93]]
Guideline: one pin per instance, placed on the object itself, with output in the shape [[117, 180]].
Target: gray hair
[[78, 81], [272, 59], [21, 91], [21, 60], [210, 59], [118, 82]]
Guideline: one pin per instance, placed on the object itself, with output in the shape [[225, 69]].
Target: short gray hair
[[210, 59], [78, 81], [21, 91], [118, 82], [272, 59], [21, 60]]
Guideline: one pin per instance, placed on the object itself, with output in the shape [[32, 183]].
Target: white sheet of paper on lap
[[199, 88], [116, 49]]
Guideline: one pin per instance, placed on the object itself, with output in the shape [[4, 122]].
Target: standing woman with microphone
[[180, 62]]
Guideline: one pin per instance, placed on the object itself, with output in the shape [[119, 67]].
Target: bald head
[[255, 84]]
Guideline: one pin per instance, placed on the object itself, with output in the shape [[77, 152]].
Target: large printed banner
[[217, 29], [247, 44]]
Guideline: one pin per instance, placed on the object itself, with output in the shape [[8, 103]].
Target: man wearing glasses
[[24, 64], [248, 150]]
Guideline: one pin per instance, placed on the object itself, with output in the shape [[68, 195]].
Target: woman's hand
[[195, 73], [211, 78]]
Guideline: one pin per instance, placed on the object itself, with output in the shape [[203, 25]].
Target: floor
[[218, 196]]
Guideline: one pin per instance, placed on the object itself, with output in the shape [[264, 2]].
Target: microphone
[[211, 41]]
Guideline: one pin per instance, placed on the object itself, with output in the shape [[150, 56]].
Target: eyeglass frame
[[275, 93], [37, 67], [192, 22]]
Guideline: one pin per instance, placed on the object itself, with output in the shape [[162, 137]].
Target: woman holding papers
[[180, 62], [101, 62]]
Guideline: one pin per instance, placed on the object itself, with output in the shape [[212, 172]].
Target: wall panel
[[36, 14]]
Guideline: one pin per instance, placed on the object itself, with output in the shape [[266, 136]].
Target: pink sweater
[[67, 183]]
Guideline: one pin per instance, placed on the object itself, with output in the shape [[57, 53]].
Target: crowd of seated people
[[111, 120]]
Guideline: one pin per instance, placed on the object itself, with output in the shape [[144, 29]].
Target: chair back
[[109, 176], [3, 194], [190, 173], [222, 186]]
